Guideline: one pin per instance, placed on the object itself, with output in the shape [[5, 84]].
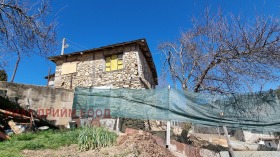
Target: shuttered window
[[114, 62]]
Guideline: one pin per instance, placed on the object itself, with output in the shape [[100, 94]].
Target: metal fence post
[[117, 125], [168, 134], [168, 125], [228, 142]]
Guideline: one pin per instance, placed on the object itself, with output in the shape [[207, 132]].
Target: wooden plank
[[14, 127]]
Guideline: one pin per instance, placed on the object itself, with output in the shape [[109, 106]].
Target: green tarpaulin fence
[[259, 111]]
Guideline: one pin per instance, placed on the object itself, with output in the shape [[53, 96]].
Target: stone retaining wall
[[44, 100]]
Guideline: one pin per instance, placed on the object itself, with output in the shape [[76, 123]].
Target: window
[[68, 68], [114, 62]]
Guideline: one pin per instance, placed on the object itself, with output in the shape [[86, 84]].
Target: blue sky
[[92, 23]]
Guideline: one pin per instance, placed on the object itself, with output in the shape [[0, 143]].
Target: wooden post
[[71, 79], [218, 128], [15, 70], [32, 124], [228, 142], [278, 146], [49, 76]]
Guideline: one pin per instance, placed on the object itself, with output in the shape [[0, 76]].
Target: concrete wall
[[44, 100], [91, 70], [250, 137], [254, 137]]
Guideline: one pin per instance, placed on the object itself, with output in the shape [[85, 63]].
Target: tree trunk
[[203, 75], [15, 70]]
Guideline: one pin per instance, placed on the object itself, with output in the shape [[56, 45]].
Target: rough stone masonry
[[138, 67]]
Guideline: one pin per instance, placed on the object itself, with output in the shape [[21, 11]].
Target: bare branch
[[225, 54], [25, 28]]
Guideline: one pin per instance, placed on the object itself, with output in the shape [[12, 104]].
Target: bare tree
[[224, 54], [277, 92], [25, 29]]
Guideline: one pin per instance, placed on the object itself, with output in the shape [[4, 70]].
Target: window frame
[[117, 54]]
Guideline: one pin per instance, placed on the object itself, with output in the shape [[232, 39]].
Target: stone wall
[[91, 70], [145, 71], [251, 137], [83, 76], [133, 123], [128, 77], [42, 99]]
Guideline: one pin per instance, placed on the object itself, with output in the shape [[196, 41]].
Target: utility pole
[[63, 46]]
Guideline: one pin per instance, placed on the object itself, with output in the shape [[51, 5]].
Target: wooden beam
[[4, 136], [13, 114]]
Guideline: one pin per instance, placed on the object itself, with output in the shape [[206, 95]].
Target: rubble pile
[[143, 144]]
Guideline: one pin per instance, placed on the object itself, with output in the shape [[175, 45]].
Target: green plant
[[32, 146], [25, 137], [95, 138], [40, 140], [3, 75]]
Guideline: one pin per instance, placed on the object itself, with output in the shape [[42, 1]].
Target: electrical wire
[[81, 46]]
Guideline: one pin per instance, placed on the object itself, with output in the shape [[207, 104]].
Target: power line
[[83, 47], [74, 48]]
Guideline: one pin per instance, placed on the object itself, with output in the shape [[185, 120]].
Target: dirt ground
[[135, 145]]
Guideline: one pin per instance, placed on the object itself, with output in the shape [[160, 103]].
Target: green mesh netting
[[258, 111]]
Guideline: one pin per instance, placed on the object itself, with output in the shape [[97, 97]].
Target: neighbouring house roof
[[51, 75], [141, 42]]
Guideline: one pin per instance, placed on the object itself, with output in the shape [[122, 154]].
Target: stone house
[[122, 65]]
